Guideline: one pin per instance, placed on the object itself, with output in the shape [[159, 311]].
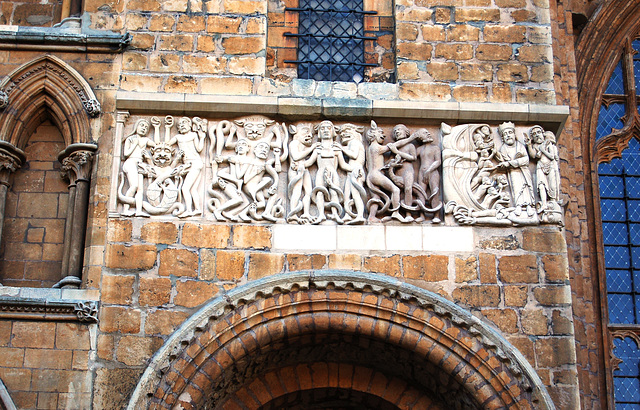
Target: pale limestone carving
[[247, 188], [355, 194], [302, 154], [543, 150], [134, 148], [485, 184]]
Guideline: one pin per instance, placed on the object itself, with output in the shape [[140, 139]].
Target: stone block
[[505, 319], [190, 23], [504, 34], [463, 15], [298, 262], [512, 73], [432, 268], [159, 232], [542, 73], [442, 15], [176, 42], [466, 269], [414, 51], [443, 71], [251, 237], [106, 347], [119, 319], [163, 322], [518, 269], [463, 32], [369, 237], [264, 264], [117, 289], [191, 293], [230, 265], [457, 52], [515, 296], [477, 296], [247, 65], [48, 358], [522, 16], [535, 96], [245, 7], [119, 230], [537, 240], [162, 22], [178, 262], [487, 268], [535, 54], [406, 31], [12, 357], [37, 205], [243, 45], [142, 41], [555, 268], [226, 86], [154, 291], [555, 351], [204, 64], [470, 93], [75, 336], [534, 322], [16, 379], [345, 261], [135, 351], [476, 72], [134, 257], [39, 335], [140, 83], [181, 84], [164, 63], [422, 91], [50, 380], [553, 295], [493, 52]]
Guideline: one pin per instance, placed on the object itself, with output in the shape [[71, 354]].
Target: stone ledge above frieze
[[78, 305], [551, 117]]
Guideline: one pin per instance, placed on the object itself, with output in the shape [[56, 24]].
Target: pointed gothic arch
[[307, 335], [47, 88]]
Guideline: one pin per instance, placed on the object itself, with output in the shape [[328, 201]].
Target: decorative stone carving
[[246, 189], [488, 185], [93, 107], [4, 100], [86, 311], [240, 171]]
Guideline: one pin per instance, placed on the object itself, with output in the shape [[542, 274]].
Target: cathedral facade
[[310, 204]]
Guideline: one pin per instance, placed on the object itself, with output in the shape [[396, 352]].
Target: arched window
[[617, 151]]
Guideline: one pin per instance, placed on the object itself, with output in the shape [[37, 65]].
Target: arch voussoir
[[415, 340]]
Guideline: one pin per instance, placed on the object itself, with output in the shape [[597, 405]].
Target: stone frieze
[[254, 169]]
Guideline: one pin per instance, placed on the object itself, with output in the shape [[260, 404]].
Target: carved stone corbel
[[11, 158], [76, 162], [4, 100]]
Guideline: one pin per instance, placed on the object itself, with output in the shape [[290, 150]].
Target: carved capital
[[11, 158], [86, 311], [4, 100], [122, 116], [76, 161]]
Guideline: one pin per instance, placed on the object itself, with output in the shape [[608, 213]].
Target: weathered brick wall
[[157, 273], [45, 364], [494, 51], [35, 215], [585, 297]]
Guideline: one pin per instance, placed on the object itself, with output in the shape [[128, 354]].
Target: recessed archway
[[313, 336]]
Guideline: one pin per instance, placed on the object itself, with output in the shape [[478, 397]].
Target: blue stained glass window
[[636, 64], [620, 210], [616, 82], [609, 118], [626, 380]]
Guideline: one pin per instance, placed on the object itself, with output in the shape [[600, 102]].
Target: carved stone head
[[303, 133], [508, 133], [161, 154], [400, 132], [254, 127], [349, 132], [142, 127], [242, 146], [536, 133], [375, 133], [326, 130], [4, 100], [424, 135], [261, 150], [184, 125], [550, 136]]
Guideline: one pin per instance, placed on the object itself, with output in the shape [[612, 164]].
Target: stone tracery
[[254, 169]]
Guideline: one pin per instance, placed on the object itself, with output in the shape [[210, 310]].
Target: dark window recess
[[331, 40]]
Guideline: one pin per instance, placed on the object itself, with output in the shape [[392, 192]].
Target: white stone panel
[[304, 237], [403, 237], [361, 238], [447, 238]]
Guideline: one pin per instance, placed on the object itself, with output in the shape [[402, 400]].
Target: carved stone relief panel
[[254, 169]]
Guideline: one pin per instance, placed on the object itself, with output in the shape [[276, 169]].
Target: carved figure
[[303, 154], [191, 144], [377, 181], [542, 149], [429, 173], [327, 183], [402, 164], [247, 190], [354, 191], [134, 148], [514, 160]]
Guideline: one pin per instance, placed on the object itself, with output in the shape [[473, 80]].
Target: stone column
[[76, 162], [11, 158]]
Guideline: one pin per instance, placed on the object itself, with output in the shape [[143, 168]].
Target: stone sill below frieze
[[396, 238], [550, 117]]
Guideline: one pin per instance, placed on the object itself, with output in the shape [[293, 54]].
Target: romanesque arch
[[47, 88], [329, 336]]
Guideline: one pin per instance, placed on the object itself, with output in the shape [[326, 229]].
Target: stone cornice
[[551, 117], [48, 304], [60, 39]]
